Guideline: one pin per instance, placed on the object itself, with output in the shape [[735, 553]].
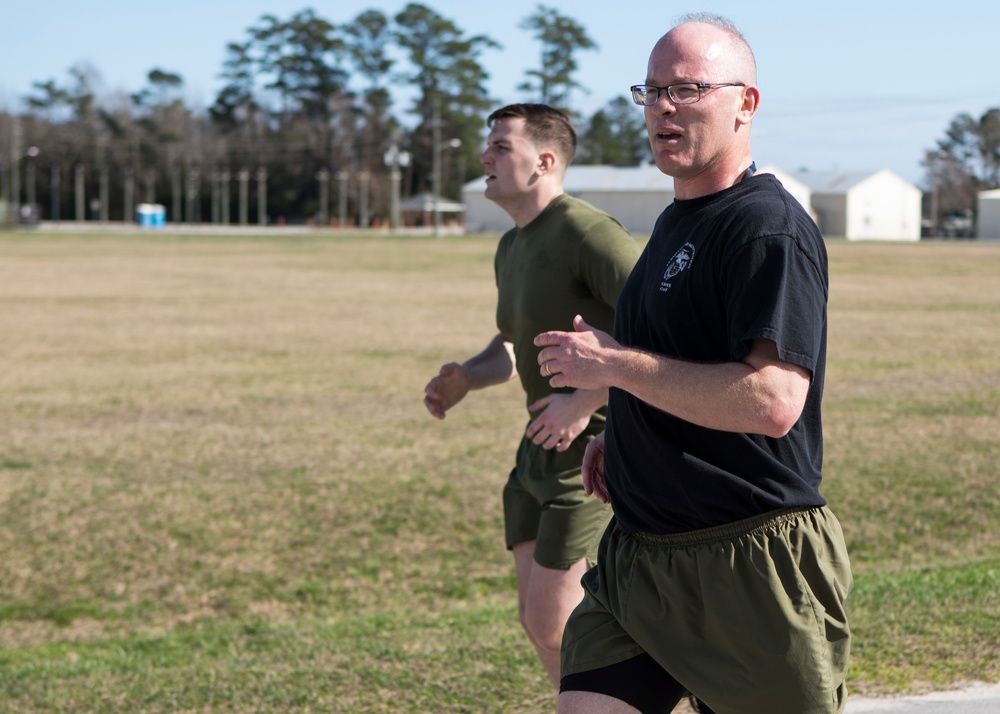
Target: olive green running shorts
[[748, 616], [544, 501]]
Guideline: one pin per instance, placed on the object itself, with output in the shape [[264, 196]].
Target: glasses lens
[[684, 93], [641, 95]]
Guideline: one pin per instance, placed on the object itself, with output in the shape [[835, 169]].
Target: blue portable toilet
[[151, 215]]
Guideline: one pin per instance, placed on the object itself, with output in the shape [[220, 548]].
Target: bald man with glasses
[[723, 572]]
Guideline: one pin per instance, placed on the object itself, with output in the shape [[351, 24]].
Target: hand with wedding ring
[[576, 359]]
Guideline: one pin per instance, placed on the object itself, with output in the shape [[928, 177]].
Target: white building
[[988, 215], [868, 205], [481, 214], [864, 205], [634, 195]]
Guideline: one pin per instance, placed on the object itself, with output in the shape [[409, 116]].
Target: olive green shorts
[[749, 616], [544, 501]]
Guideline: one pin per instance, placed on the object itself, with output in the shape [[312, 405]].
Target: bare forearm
[[731, 396], [761, 394], [590, 400], [494, 365]]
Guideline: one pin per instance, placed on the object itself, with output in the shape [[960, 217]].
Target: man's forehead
[[507, 129], [688, 50]]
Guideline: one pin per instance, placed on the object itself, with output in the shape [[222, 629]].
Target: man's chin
[[667, 164]]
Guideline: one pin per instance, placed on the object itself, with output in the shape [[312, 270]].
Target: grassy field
[[220, 492]]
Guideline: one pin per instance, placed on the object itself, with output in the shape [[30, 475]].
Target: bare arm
[[494, 365], [761, 394]]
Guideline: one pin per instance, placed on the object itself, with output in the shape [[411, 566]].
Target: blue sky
[[847, 85]]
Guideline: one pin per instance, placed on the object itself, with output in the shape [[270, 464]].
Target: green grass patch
[[219, 489], [927, 628], [387, 663]]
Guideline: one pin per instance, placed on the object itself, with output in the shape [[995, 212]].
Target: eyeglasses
[[646, 95]]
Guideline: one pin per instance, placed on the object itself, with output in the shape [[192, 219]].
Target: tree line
[[306, 127], [303, 127], [965, 161]]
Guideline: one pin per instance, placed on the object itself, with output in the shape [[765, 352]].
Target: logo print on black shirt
[[681, 260]]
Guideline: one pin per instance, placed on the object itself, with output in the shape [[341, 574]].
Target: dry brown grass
[[913, 399], [187, 423], [202, 431]]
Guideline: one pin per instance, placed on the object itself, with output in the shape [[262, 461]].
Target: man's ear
[[546, 162], [751, 102]]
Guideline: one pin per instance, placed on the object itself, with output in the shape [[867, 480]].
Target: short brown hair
[[547, 126]]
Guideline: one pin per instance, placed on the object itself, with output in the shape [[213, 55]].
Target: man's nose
[[663, 104]]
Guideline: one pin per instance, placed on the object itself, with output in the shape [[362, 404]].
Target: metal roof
[[616, 178], [606, 178], [647, 177], [832, 181]]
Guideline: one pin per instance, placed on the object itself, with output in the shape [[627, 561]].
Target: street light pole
[[394, 159], [29, 176], [14, 207], [16, 154], [436, 168]]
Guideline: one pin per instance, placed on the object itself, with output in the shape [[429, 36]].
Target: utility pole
[[436, 167], [244, 179], [12, 187], [224, 199], [14, 207], [129, 196], [56, 175], [103, 188], [81, 206], [262, 196], [5, 190], [323, 176], [150, 186], [175, 195], [213, 178], [191, 195], [342, 185], [29, 177], [363, 218]]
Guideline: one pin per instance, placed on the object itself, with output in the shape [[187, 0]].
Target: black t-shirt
[[717, 273]]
